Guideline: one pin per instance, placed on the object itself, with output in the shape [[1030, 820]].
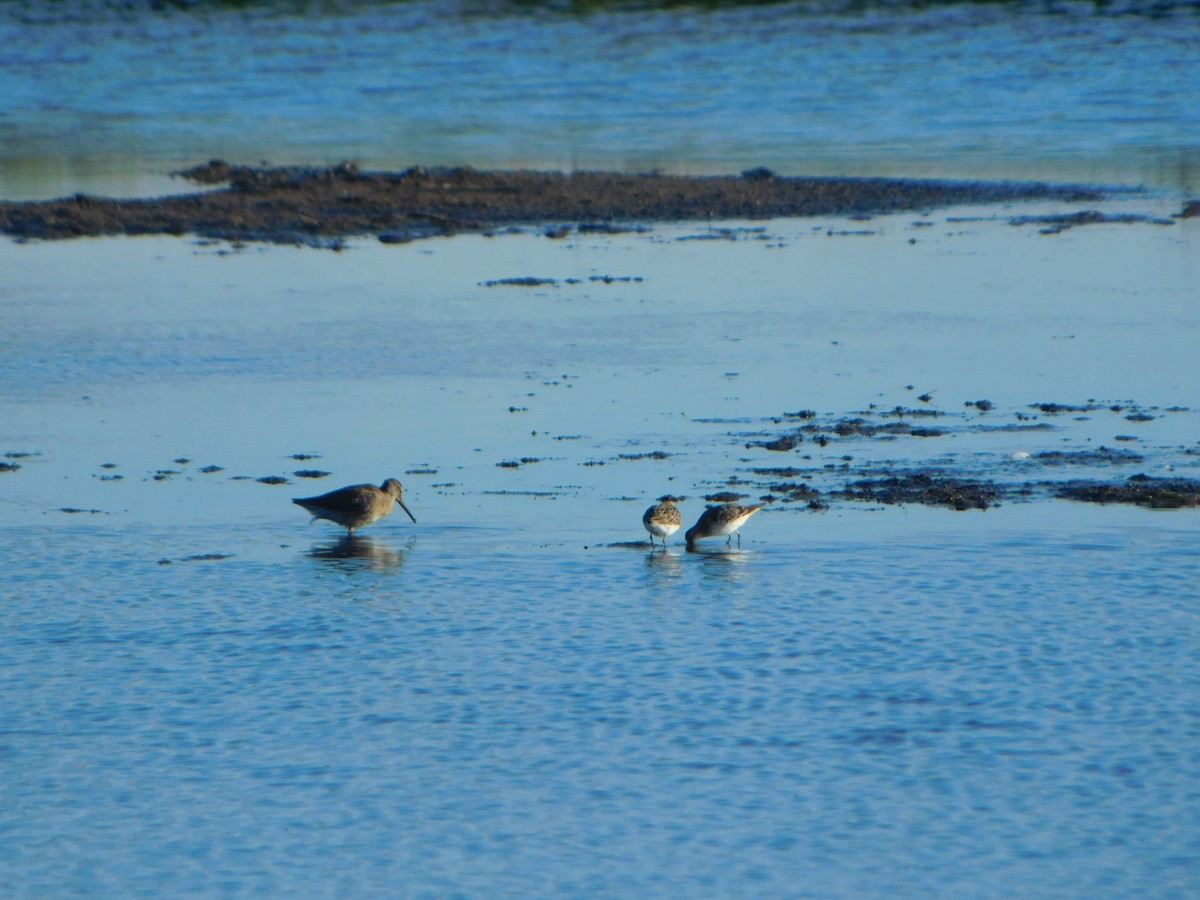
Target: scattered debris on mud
[[323, 206]]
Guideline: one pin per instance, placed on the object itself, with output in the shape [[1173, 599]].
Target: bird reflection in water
[[352, 548], [727, 565], [660, 560]]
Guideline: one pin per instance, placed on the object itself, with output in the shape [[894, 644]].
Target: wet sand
[[321, 206]]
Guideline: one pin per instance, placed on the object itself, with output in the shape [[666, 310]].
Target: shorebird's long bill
[[407, 510]]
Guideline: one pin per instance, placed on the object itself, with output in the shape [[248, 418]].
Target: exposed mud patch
[[1056, 224], [521, 281], [323, 206], [197, 557], [929, 488], [1101, 456], [838, 460], [1142, 490]]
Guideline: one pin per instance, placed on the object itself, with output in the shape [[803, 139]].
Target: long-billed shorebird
[[663, 519], [720, 520], [357, 505]]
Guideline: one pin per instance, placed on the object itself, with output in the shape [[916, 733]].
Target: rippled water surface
[[200, 692], [203, 693], [107, 101], [453, 712]]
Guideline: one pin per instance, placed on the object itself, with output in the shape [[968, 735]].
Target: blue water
[[852, 718], [103, 99], [203, 693]]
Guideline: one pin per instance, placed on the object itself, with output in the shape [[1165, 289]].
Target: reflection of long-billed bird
[[357, 505], [720, 520], [663, 519]]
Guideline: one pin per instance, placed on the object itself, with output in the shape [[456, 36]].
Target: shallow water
[[203, 693], [450, 714], [110, 101], [200, 692]]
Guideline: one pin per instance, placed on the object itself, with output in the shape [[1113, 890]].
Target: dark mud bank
[[322, 206], [829, 460]]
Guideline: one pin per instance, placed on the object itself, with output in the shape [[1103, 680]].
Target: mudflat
[[320, 206]]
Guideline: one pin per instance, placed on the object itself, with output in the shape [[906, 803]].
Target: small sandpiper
[[720, 520], [663, 519], [357, 505]]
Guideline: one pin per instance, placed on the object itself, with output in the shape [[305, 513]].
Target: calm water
[[946, 712], [200, 692], [106, 101]]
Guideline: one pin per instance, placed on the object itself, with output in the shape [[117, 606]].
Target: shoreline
[[321, 206]]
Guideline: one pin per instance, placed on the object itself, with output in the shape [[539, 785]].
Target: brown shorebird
[[720, 520], [357, 505], [662, 520]]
